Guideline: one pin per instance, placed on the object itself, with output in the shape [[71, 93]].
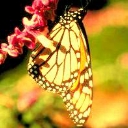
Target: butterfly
[[61, 63]]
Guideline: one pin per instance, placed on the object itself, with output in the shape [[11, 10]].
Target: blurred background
[[23, 104]]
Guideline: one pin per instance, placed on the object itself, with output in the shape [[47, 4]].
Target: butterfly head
[[70, 16]]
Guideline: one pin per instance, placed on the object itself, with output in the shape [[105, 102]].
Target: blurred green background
[[23, 104]]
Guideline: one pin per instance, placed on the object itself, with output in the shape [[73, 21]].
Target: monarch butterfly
[[62, 64]]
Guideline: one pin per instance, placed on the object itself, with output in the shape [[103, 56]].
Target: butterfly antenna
[[87, 3], [67, 7]]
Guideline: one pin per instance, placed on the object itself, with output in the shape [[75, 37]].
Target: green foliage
[[7, 119], [10, 77], [124, 2], [107, 45]]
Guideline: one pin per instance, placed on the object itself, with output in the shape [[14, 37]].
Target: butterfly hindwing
[[78, 99]]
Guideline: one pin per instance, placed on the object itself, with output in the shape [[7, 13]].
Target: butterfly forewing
[[63, 65]]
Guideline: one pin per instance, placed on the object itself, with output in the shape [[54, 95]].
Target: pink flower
[[28, 99], [37, 22], [3, 56], [28, 39], [42, 11], [16, 42], [21, 38], [40, 7], [11, 50]]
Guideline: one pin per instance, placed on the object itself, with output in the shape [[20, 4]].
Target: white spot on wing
[[82, 79], [90, 72], [68, 96], [86, 113], [86, 76], [86, 90], [78, 55], [90, 83], [80, 115]]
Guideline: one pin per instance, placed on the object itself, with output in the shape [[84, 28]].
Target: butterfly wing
[[56, 65], [78, 98], [63, 65]]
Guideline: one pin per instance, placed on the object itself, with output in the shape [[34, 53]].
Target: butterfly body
[[63, 65]]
